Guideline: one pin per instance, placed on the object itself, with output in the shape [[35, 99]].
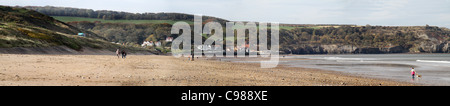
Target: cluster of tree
[[127, 33], [114, 15]]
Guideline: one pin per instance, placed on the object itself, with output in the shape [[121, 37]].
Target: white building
[[147, 43], [158, 43], [169, 39]]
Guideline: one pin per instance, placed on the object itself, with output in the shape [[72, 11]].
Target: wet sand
[[153, 70]]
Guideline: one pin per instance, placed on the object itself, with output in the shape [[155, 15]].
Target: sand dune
[[153, 70]]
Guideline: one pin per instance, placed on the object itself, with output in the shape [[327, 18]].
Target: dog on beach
[[419, 76]]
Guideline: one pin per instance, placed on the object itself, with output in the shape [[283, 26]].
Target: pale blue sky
[[361, 12]]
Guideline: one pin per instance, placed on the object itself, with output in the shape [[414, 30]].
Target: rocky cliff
[[430, 47], [344, 49]]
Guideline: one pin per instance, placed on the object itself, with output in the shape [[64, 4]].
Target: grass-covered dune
[[25, 28]]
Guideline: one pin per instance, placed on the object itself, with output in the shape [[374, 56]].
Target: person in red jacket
[[413, 73]]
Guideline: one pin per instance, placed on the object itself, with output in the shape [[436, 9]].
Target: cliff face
[[395, 49], [424, 47], [433, 43], [430, 47], [338, 49], [344, 49]]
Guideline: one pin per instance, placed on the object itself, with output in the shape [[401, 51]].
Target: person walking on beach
[[124, 54], [413, 73], [117, 53]]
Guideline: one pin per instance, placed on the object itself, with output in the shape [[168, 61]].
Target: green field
[[313, 27], [71, 19], [285, 27], [291, 27]]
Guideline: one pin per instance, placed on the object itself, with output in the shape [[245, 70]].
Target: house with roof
[[169, 39], [158, 43], [147, 43]]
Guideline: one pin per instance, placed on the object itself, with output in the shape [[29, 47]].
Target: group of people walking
[[124, 54]]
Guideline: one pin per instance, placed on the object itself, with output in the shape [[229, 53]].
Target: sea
[[434, 68]]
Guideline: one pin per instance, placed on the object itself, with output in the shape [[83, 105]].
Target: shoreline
[[384, 66], [407, 53], [333, 72], [154, 70]]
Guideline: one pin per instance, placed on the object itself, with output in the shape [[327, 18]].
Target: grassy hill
[[72, 19], [78, 19], [21, 27]]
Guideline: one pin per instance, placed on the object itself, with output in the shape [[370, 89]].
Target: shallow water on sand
[[434, 68]]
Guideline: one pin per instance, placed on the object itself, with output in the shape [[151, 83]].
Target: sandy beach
[[154, 70]]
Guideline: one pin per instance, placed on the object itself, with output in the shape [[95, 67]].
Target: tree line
[[115, 15]]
